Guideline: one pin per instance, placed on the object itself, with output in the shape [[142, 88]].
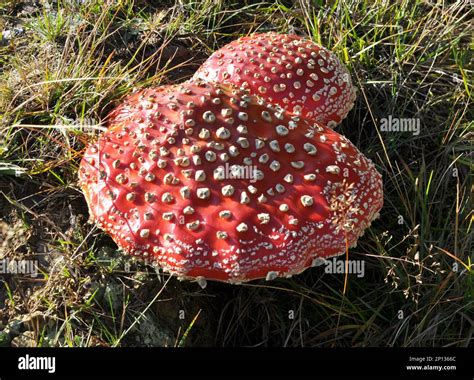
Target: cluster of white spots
[[262, 222], [295, 73]]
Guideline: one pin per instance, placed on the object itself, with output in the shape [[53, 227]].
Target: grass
[[68, 65]]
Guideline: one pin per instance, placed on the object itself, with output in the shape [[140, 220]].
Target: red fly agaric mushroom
[[288, 70], [212, 183]]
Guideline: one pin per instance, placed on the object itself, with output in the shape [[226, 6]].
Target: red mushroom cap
[[288, 70], [212, 183]]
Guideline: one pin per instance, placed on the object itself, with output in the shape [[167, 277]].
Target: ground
[[65, 64]]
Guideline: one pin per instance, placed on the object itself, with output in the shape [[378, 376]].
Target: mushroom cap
[[212, 183], [295, 73]]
